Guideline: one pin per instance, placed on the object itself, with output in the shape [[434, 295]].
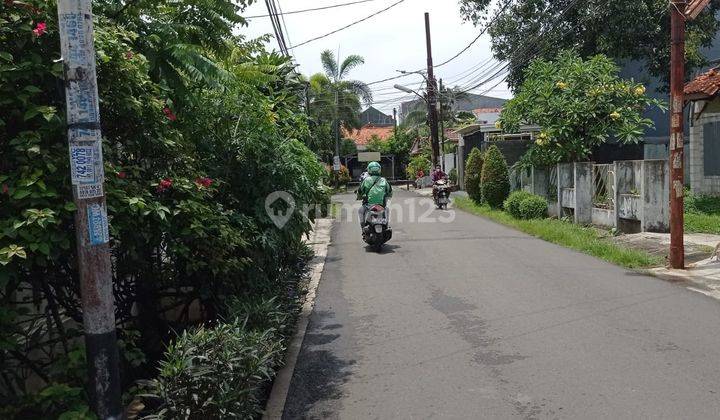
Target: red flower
[[164, 185], [169, 114], [129, 55], [204, 182], [122, 175], [4, 189], [40, 29]]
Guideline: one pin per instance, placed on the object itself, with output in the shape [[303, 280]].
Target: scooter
[[442, 194], [375, 230]]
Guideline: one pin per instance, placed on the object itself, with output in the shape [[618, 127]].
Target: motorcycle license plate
[[442, 200], [378, 228]]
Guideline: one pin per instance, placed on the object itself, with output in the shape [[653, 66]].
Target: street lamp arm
[[408, 90]]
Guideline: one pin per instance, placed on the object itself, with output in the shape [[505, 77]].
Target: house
[[362, 137], [703, 159], [376, 118], [481, 136], [487, 115], [468, 102]]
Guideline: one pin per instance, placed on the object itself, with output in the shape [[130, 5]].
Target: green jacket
[[372, 192]]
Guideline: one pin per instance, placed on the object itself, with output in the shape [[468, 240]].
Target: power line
[[497, 15], [311, 10], [347, 26], [282, 16]]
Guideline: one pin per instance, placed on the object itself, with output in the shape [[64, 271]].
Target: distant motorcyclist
[[374, 190], [437, 175]]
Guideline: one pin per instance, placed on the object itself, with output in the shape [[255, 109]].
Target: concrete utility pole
[[91, 223], [677, 85], [431, 95], [442, 125]]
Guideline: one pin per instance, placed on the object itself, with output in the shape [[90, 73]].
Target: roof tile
[[706, 84]]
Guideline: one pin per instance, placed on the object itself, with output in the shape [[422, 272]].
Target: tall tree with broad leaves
[[622, 30]]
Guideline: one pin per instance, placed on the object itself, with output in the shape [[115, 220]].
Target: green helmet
[[374, 168]]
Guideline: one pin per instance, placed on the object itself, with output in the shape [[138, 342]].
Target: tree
[[473, 170], [579, 104], [634, 30], [495, 179]]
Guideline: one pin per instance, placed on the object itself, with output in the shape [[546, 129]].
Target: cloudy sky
[[393, 40]]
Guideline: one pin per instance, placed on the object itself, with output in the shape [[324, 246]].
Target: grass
[[579, 238], [702, 223], [702, 214]]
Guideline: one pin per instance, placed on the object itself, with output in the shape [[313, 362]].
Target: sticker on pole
[[98, 231], [336, 163], [86, 163]]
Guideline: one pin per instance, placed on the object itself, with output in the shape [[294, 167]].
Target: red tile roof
[[363, 136], [705, 85]]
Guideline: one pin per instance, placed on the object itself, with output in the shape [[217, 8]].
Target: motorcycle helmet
[[374, 168]]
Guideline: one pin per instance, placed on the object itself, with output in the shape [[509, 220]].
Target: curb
[[319, 240]]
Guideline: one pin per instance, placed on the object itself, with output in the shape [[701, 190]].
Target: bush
[[473, 170], [216, 373], [417, 164], [453, 176], [533, 207], [495, 179], [512, 204]]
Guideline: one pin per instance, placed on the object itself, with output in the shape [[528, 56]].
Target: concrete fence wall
[[632, 196]]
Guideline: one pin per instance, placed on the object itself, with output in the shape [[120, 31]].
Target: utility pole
[[336, 159], [91, 223], [442, 124], [431, 95], [677, 85], [395, 122]]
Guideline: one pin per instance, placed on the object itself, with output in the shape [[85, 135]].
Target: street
[[471, 319]]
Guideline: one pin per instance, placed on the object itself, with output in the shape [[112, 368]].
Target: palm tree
[[332, 97]]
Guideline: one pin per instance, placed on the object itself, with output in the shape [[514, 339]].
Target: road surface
[[471, 319]]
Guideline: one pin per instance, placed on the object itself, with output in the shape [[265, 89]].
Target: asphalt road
[[471, 319]]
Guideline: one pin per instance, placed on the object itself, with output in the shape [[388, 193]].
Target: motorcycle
[[442, 194], [375, 230]]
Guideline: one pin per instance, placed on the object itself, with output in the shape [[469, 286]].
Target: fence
[[632, 196]]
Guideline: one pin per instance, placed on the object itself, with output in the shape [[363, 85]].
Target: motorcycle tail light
[[377, 207]]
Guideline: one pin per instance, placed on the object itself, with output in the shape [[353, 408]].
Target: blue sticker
[[97, 224]]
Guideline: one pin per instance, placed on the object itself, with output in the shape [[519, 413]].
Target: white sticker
[[98, 230], [86, 162]]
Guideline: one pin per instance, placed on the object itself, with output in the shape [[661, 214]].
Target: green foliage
[[579, 104], [625, 31], [332, 98], [702, 213], [580, 238], [417, 164], [533, 207], [512, 203], [473, 172], [199, 127], [453, 175], [495, 179], [216, 373]]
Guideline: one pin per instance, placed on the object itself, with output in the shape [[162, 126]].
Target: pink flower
[[169, 114], [40, 29], [164, 184], [122, 175], [204, 182], [4, 189], [129, 55]]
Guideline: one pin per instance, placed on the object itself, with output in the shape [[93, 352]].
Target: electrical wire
[[347, 26], [312, 10]]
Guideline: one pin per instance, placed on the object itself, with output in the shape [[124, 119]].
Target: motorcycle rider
[[373, 190], [436, 176]]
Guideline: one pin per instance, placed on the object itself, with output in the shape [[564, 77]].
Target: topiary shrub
[[453, 176], [495, 179], [416, 165], [473, 171], [512, 204], [216, 373], [533, 207]]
